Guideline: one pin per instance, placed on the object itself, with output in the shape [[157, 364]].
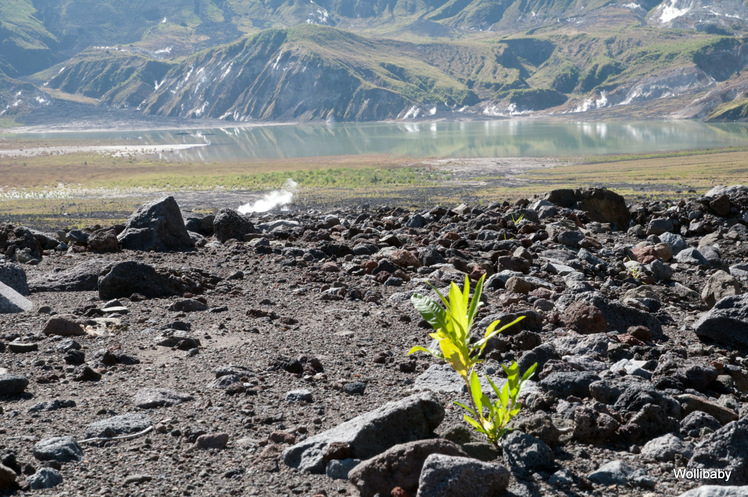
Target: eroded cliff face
[[269, 79], [18, 98], [315, 72], [721, 16]]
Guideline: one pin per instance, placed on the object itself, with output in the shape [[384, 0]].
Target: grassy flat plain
[[80, 189]]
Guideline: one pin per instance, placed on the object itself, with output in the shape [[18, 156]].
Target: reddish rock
[[330, 267], [664, 251], [518, 285], [452, 236], [64, 325], [477, 273], [640, 333], [584, 318], [339, 450], [7, 478], [629, 340], [369, 266], [398, 466], [282, 437], [211, 441], [645, 255], [404, 258]]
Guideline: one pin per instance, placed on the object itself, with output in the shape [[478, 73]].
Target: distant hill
[[378, 59]]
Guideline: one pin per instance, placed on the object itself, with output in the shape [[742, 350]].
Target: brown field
[[55, 190]]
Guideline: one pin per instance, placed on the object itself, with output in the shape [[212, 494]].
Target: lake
[[503, 138]]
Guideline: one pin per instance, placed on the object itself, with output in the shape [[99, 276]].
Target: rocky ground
[[266, 356]]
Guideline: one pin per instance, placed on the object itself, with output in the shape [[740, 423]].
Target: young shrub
[[452, 325], [501, 411]]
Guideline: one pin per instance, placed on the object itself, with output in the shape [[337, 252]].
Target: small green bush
[[452, 324]]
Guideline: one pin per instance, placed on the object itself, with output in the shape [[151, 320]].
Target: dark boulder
[[156, 226], [127, 278], [229, 224], [14, 276], [726, 322], [601, 205], [103, 240]]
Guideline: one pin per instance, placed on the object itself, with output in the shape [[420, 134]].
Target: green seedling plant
[[493, 424], [635, 270], [452, 325]]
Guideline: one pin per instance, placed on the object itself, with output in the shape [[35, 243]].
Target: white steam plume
[[274, 199]]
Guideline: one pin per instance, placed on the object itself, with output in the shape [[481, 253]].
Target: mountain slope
[[290, 60], [319, 73]]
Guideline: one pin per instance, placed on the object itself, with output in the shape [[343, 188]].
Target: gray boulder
[[676, 242], [126, 278], [14, 276], [725, 449], [156, 226], [659, 226], [12, 302], [45, 478], [726, 323], [461, 477], [718, 286], [60, 449], [525, 452], [118, 425], [399, 466], [406, 420], [691, 256], [665, 448], [12, 384], [81, 278], [612, 473], [564, 383], [47, 241], [740, 271], [229, 224], [149, 398]]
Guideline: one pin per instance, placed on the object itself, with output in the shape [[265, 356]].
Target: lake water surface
[[504, 138]]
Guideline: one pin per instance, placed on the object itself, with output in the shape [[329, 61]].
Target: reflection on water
[[506, 138]]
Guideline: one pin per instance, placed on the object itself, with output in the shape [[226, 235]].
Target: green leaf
[[493, 385], [458, 312], [431, 311], [475, 391], [529, 372], [466, 408], [475, 424], [418, 348], [475, 304], [466, 294], [446, 302], [495, 332], [454, 356], [504, 395]]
